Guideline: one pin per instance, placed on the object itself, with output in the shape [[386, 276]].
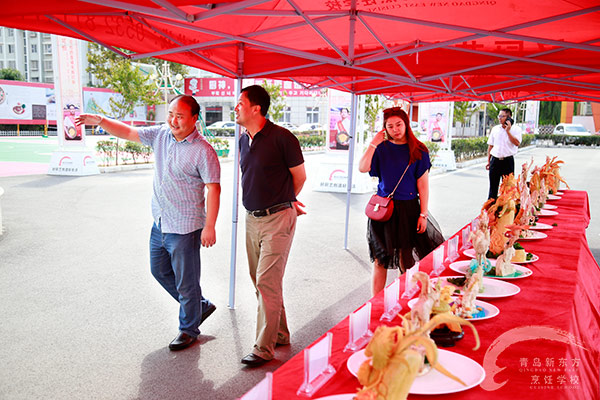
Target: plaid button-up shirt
[[181, 171]]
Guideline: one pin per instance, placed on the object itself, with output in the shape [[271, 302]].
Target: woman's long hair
[[415, 146]]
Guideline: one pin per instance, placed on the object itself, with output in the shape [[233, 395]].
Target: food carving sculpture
[[550, 173], [480, 239], [421, 311], [504, 266], [526, 214], [501, 213], [397, 357]]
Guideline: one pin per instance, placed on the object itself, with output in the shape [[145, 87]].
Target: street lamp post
[[164, 80]]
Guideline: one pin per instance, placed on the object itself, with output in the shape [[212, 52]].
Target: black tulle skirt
[[395, 243]]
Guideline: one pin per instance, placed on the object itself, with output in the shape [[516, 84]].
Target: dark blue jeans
[[175, 263]]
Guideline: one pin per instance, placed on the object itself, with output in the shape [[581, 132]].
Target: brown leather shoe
[[252, 360], [182, 341]]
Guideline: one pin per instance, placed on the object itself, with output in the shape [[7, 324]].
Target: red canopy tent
[[427, 50], [494, 50]]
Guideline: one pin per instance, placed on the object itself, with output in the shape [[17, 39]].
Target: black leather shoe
[[252, 360], [182, 341], [211, 309]]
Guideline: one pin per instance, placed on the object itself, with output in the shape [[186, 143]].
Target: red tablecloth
[[544, 343]]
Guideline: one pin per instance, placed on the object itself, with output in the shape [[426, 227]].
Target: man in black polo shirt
[[272, 176]]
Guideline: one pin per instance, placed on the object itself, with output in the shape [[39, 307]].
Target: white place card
[[358, 328], [410, 286], [317, 368], [474, 224], [262, 391], [452, 249], [438, 261], [466, 243], [390, 301]]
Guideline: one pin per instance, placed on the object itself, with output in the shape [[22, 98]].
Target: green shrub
[[433, 149], [466, 149], [310, 141]]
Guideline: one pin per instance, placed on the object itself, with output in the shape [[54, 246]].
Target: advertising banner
[[338, 137], [435, 122], [22, 102], [73, 158]]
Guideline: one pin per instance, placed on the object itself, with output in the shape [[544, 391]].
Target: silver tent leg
[[354, 107]]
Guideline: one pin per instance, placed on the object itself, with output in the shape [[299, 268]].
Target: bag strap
[[393, 191]]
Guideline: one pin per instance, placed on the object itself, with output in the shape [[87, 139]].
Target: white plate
[[534, 235], [540, 226], [345, 396], [490, 311], [547, 213], [471, 253], [434, 382], [549, 207], [553, 197], [461, 267], [492, 288]]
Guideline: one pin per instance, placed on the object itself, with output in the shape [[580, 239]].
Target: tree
[[373, 106], [278, 102], [463, 110], [11, 74], [549, 112], [117, 73]]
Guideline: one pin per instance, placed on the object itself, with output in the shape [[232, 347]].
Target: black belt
[[271, 210], [502, 158]]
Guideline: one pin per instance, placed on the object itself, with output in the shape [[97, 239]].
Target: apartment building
[[30, 53]]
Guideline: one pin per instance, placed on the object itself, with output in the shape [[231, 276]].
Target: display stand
[[317, 367], [466, 242], [76, 162], [358, 328], [445, 159], [438, 261], [391, 301], [332, 175], [410, 285], [262, 391], [452, 249]]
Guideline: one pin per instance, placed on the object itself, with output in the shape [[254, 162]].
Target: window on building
[[49, 79], [312, 115], [12, 64], [34, 48], [11, 49], [47, 48], [35, 79], [287, 114], [11, 32], [32, 34], [46, 35], [1, 48], [34, 65], [48, 65], [214, 114], [1, 64]]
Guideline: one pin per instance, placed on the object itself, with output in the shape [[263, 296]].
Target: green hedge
[[593, 140], [311, 141], [467, 149]]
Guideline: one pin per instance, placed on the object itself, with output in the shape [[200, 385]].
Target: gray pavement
[[81, 317]]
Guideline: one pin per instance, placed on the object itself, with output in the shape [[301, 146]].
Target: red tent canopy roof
[[428, 50]]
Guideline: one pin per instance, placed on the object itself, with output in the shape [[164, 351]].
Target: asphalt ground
[[81, 317]]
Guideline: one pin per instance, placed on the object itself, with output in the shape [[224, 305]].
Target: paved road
[[82, 318]]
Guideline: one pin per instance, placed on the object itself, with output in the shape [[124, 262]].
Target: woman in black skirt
[[409, 235]]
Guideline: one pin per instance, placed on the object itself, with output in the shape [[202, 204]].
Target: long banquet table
[[545, 341]]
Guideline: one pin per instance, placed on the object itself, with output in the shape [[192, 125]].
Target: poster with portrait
[[338, 137], [435, 123]]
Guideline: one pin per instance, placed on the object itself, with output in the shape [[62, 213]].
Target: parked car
[[287, 125], [571, 129], [222, 125], [309, 127]]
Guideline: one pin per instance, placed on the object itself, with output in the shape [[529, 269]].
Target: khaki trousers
[[268, 243]]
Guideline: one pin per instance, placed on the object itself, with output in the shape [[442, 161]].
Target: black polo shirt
[[266, 178]]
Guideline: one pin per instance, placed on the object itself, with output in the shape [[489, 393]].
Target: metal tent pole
[[354, 111]]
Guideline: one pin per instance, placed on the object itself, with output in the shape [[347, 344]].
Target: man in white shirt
[[503, 144]]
